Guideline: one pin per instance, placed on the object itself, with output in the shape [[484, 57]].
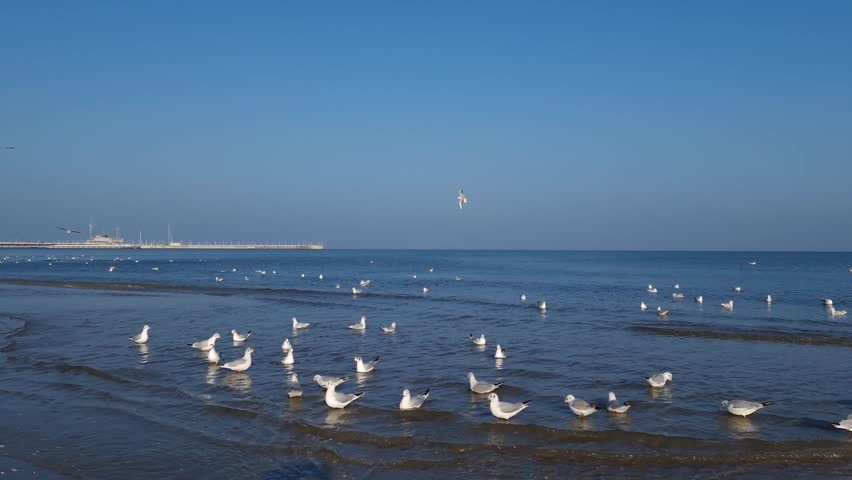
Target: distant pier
[[164, 246]]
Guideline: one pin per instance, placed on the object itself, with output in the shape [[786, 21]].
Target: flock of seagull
[[500, 409]]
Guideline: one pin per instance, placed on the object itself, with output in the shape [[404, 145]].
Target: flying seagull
[[462, 198], [67, 230]]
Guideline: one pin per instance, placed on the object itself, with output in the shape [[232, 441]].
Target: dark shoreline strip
[[750, 336]]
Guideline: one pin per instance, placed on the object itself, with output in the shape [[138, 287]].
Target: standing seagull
[[411, 403], [742, 408], [335, 399], [206, 345], [141, 337], [614, 406], [239, 337], [462, 198], [240, 364], [505, 410], [580, 407], [362, 367]]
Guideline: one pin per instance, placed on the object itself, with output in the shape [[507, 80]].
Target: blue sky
[[631, 125]]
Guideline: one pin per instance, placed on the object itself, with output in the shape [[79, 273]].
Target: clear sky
[[611, 125]]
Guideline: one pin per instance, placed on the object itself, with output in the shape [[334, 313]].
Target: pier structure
[[164, 246]]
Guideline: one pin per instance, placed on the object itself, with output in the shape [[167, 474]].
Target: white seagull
[[362, 367], [699, 299], [285, 347], [205, 345], [295, 389], [845, 424], [505, 410], [141, 337], [643, 307], [614, 406], [661, 312], [389, 328], [213, 356], [541, 305], [335, 399], [769, 299], [297, 324], [241, 364], [481, 387], [239, 337], [742, 408], [738, 289], [112, 269], [677, 296], [523, 298], [676, 286], [156, 269], [827, 301], [836, 313], [356, 291], [425, 290], [361, 325], [729, 305], [411, 403], [329, 381], [365, 283], [480, 340], [580, 407], [288, 359], [500, 353], [651, 289], [660, 379], [462, 199]]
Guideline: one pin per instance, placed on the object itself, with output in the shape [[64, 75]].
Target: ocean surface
[[79, 399]]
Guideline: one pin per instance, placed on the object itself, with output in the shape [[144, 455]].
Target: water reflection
[[336, 417], [582, 423], [663, 393], [498, 363], [143, 353], [620, 420], [361, 378], [238, 381], [212, 373], [740, 427]]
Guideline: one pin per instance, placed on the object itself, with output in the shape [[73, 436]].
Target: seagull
[[500, 353], [836, 313], [615, 406], [335, 399], [336, 285], [328, 381], [206, 345], [414, 276], [112, 269], [541, 305], [458, 278], [844, 424], [142, 337], [769, 299], [738, 289], [362, 367], [219, 279], [356, 291], [240, 364], [699, 299], [425, 290], [462, 198], [365, 283], [156, 269], [286, 345], [729, 305], [411, 403], [660, 379], [67, 230], [297, 324], [523, 298], [827, 301], [677, 296], [303, 275], [580, 407], [213, 356], [361, 325], [676, 286], [389, 328], [288, 359], [505, 410], [239, 337], [752, 263], [246, 277], [295, 389], [742, 408], [643, 307], [321, 277], [432, 269], [651, 289], [481, 387], [661, 312], [480, 340]]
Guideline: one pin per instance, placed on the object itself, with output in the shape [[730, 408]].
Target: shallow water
[[80, 399]]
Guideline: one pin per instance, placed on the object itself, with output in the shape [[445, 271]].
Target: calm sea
[[79, 399]]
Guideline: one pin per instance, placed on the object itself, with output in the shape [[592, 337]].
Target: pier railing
[[168, 246]]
